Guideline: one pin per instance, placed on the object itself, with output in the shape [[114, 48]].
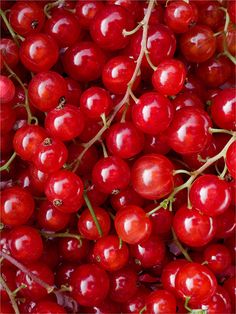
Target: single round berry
[[218, 257], [9, 52], [73, 91], [73, 249], [86, 10], [7, 119], [161, 301], [7, 89], [187, 99]]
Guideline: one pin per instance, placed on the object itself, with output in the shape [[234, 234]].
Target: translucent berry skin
[[50, 218], [86, 11], [218, 257], [72, 250], [152, 176], [65, 123], [26, 17], [111, 173], [132, 225], [198, 44], [39, 52], [63, 26], [50, 155], [187, 99], [126, 197], [46, 90], [210, 195], [117, 73], [153, 113], [136, 302], [33, 290], [180, 16], [27, 139], [7, 119], [150, 252], [168, 79], [161, 220], [7, 89], [161, 301], [211, 15], [87, 227], [231, 159], [226, 224], [195, 281], [48, 307], [9, 52], [17, 205], [21, 240], [73, 91], [65, 190], [193, 228], [223, 109], [124, 140], [189, 130], [95, 101], [90, 285], [109, 254], [38, 178], [84, 61], [108, 24]]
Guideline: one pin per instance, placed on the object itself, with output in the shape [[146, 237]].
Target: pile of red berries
[[118, 156]]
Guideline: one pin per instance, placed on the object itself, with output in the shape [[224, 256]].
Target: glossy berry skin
[[63, 26], [21, 240], [126, 197], [90, 285], [230, 159], [65, 190], [210, 195], [87, 227], [47, 90], [117, 73], [226, 223], [195, 281], [27, 139], [73, 250], [109, 254], [86, 11], [38, 52], [152, 176], [198, 44], [150, 252], [7, 119], [48, 307], [169, 273], [223, 109], [50, 155], [50, 218], [9, 52], [161, 220], [168, 78], [26, 17], [187, 99], [218, 257], [111, 173], [108, 24], [7, 89], [65, 122], [34, 291], [193, 228], [132, 225], [211, 15], [136, 302], [95, 101], [124, 140], [123, 285], [38, 178], [161, 302], [189, 131], [17, 205], [180, 16], [84, 61], [153, 113]]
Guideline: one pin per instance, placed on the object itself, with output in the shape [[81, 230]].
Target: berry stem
[[10, 294], [182, 171], [51, 5], [10, 29], [87, 201], [7, 164], [62, 235], [133, 31], [212, 131], [181, 248]]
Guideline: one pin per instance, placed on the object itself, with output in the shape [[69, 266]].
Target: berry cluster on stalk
[[118, 156]]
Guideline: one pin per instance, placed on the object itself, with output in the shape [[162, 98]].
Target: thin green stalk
[[7, 164], [87, 201], [10, 294]]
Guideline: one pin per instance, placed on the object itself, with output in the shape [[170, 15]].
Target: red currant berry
[[73, 250], [226, 223], [156, 144], [7, 118], [230, 159], [211, 14], [7, 89], [9, 52], [73, 91], [38, 178], [161, 302], [126, 197], [137, 302], [86, 10], [218, 258], [161, 220], [187, 99]]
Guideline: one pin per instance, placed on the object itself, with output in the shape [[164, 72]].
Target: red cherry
[[217, 257], [9, 52], [109, 254], [21, 241], [38, 52], [210, 195], [168, 78], [189, 130], [196, 282], [90, 284], [161, 301], [17, 206], [109, 23], [47, 90], [193, 228], [7, 89], [132, 225], [152, 176], [153, 113], [230, 159]]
